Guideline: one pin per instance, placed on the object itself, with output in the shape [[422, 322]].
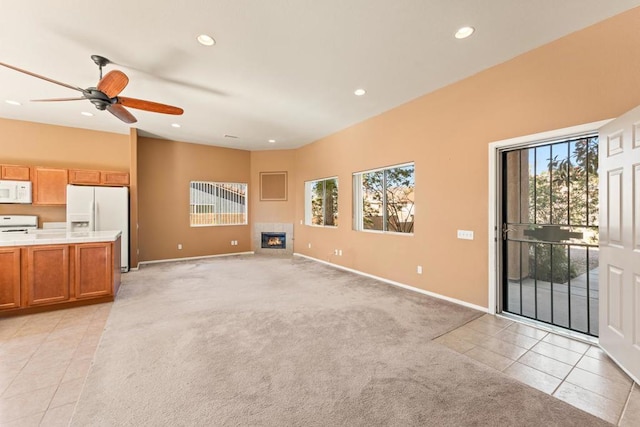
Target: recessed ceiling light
[[464, 32], [359, 92], [272, 141], [87, 114], [175, 125], [12, 102], [206, 40]]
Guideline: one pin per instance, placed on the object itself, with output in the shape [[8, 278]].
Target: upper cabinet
[[15, 172], [114, 178], [49, 186], [87, 177], [94, 177]]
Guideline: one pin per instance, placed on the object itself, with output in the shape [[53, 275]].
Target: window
[[217, 203], [384, 199], [321, 202]]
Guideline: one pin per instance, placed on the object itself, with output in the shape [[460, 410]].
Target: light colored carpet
[[264, 341]]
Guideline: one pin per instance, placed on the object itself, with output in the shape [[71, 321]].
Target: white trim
[[400, 165], [308, 199], [398, 284], [494, 149], [393, 233], [157, 261]]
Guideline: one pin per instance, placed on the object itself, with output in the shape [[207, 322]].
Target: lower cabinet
[[9, 278], [54, 275], [93, 270], [47, 274]]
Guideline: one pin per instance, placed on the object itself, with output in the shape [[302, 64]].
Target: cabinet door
[[15, 173], [93, 270], [9, 278], [114, 178], [47, 274], [78, 176], [49, 186]]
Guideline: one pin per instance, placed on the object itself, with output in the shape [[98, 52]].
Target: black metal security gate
[[550, 233]]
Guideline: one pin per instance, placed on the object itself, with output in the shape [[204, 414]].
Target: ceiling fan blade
[[155, 107], [58, 99], [113, 83], [41, 77], [120, 112]]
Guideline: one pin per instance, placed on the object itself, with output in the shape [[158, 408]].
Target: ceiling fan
[[105, 95]]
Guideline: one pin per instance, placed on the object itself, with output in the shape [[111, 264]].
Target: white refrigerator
[[100, 209]]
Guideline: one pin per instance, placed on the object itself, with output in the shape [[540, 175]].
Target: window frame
[[244, 213], [358, 197], [308, 199]]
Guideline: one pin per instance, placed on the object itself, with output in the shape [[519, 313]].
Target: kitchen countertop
[[51, 237]]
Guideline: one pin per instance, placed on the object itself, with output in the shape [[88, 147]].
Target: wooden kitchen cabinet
[[9, 278], [15, 172], [95, 177], [50, 186], [47, 273], [114, 178], [36, 278], [93, 270], [86, 177]]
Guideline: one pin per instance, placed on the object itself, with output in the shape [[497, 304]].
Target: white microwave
[[15, 191]]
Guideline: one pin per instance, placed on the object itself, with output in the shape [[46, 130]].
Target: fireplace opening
[[274, 240]]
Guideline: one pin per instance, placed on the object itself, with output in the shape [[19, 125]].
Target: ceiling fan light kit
[[105, 95]]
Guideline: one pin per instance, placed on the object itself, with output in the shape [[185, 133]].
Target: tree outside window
[[387, 199], [324, 202]]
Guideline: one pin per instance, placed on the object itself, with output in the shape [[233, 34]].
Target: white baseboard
[[401, 285], [156, 261]]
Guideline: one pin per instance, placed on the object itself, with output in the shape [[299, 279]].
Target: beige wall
[[273, 211], [165, 169], [58, 146], [588, 76], [37, 144]]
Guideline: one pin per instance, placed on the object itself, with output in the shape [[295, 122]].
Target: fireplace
[[274, 240]]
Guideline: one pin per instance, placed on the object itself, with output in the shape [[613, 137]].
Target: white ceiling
[[281, 69]]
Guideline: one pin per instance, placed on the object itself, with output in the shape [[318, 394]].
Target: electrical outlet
[[309, 245], [419, 269], [335, 252], [235, 242], [179, 246], [465, 234], [300, 222], [339, 252]]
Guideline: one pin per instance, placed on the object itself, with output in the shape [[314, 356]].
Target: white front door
[[620, 241]]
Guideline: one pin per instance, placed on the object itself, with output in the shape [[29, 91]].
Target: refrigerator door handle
[[92, 216]]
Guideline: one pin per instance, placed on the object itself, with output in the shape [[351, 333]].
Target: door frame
[[495, 237]]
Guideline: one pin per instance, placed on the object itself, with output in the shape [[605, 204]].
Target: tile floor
[[576, 372], [44, 360]]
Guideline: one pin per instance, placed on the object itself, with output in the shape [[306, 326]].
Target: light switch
[[465, 234]]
